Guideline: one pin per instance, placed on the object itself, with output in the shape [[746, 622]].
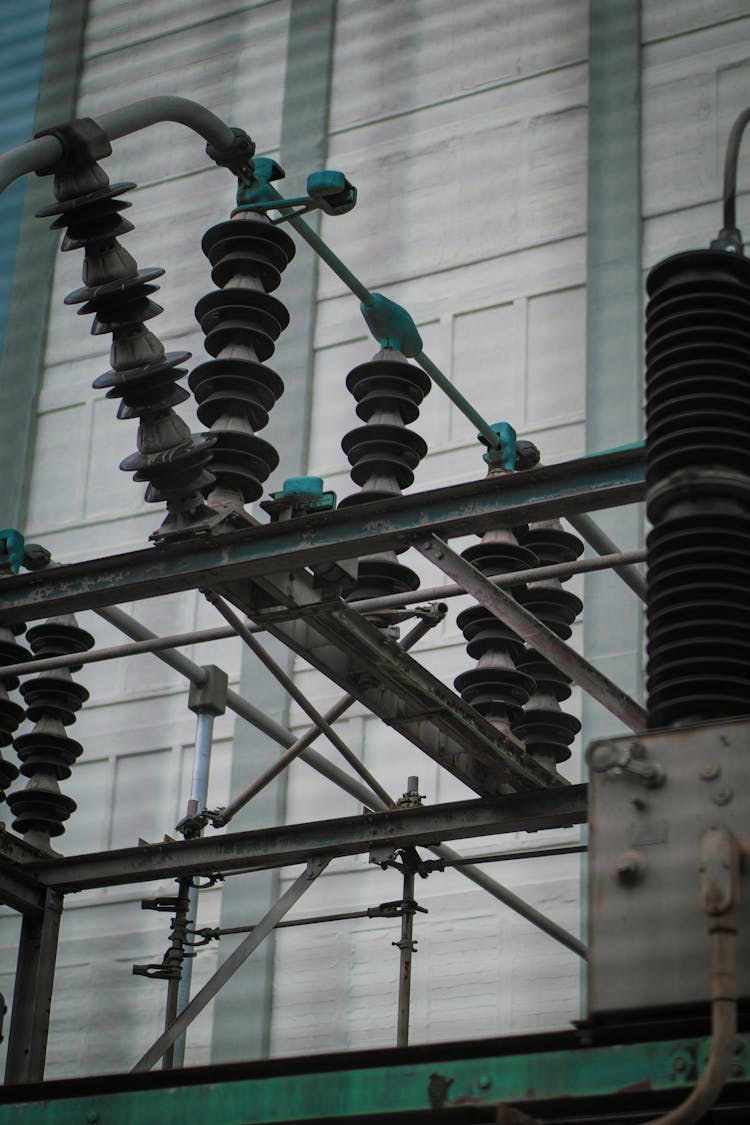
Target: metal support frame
[[264, 848], [303, 882], [553, 1074], [32, 997], [602, 481]]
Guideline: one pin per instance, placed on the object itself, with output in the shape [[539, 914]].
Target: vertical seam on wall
[[24, 352]]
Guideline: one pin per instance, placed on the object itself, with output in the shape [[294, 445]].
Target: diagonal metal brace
[[314, 868], [542, 639]]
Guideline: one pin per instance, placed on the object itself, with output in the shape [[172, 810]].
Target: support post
[[32, 998], [314, 868], [407, 949]]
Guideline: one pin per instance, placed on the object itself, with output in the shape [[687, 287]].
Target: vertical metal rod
[[406, 948], [314, 868], [198, 796], [32, 998], [176, 960]]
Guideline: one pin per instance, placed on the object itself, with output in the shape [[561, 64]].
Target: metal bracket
[[632, 759]]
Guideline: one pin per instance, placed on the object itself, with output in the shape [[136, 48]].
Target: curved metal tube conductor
[[730, 169], [722, 926], [42, 152]]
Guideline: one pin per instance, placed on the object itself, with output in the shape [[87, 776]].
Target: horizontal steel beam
[[374, 1084], [602, 481], [276, 847]]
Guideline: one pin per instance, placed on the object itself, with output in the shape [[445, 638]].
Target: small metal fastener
[[630, 868], [710, 771], [679, 1065], [485, 1082], [92, 1116], [723, 797]]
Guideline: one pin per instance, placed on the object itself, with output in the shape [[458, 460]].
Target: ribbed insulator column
[[47, 753], [383, 455], [545, 728], [11, 713], [698, 487], [143, 376], [496, 687], [235, 390]]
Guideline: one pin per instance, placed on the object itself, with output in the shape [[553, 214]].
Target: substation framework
[[328, 584]]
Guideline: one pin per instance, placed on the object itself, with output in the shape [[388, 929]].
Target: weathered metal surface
[[318, 1089], [32, 996], [602, 481], [646, 826], [276, 847]]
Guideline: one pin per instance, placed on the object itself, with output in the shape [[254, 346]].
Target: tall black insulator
[[383, 455], [46, 752], [547, 730], [698, 487], [11, 713], [497, 688], [143, 376], [242, 321]]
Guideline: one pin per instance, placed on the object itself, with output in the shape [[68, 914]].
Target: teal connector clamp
[[504, 454], [11, 548], [391, 325]]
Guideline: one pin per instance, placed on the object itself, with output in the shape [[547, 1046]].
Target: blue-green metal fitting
[[327, 191], [391, 325], [11, 548], [260, 190], [300, 496], [503, 456], [331, 192], [314, 1094]]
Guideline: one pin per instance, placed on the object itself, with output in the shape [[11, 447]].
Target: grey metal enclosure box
[[648, 939]]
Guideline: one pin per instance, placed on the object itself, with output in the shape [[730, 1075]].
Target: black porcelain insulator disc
[[549, 679], [242, 462], [248, 306], [378, 577], [554, 607], [237, 333], [261, 236], [243, 263], [110, 290], [11, 716], [486, 689], [553, 545], [383, 450], [547, 733], [56, 638], [381, 384], [158, 401], [49, 696], [165, 370], [68, 206], [49, 753], [175, 474], [499, 558], [221, 385], [40, 810], [486, 633], [125, 315], [11, 653], [8, 774]]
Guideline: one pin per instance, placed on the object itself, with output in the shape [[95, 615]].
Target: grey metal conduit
[[42, 152]]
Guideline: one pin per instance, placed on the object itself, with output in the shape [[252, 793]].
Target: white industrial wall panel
[[464, 129]]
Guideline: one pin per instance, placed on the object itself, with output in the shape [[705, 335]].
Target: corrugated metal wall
[[465, 129]]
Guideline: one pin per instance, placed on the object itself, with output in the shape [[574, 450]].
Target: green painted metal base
[[396, 1082]]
